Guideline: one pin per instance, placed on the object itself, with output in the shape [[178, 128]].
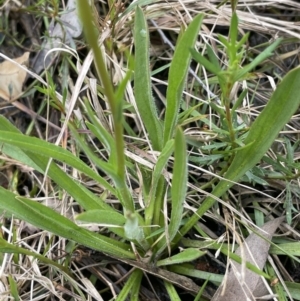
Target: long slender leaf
[[50, 150], [186, 255], [82, 195], [122, 190], [6, 247], [113, 220], [179, 183], [177, 75], [171, 291], [283, 103], [142, 81], [261, 57], [210, 66], [135, 290], [178, 189], [88, 18], [189, 270], [132, 284], [47, 219], [156, 176], [13, 288]]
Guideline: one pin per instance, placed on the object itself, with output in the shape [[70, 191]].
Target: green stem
[[230, 128], [92, 35]]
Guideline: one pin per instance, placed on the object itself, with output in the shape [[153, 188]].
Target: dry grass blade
[[71, 77], [240, 283]]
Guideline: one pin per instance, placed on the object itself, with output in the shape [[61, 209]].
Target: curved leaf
[[186, 255], [178, 189], [177, 75], [49, 150], [280, 108], [142, 81], [48, 219]]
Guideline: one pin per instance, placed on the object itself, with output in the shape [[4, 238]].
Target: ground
[[54, 93]]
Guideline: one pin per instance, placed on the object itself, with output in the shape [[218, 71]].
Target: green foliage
[[143, 93], [152, 232], [176, 80]]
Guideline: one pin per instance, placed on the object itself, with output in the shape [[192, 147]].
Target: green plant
[[146, 236]]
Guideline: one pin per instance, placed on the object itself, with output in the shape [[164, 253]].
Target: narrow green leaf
[[261, 57], [48, 219], [15, 152], [81, 194], [243, 40], [101, 132], [186, 255], [19, 155], [135, 290], [291, 248], [122, 191], [213, 58], [131, 285], [201, 291], [88, 19], [233, 32], [224, 41], [160, 165], [171, 291], [280, 108], [104, 137], [102, 217], [179, 183], [114, 221], [239, 100], [189, 270], [177, 75], [6, 247], [210, 66], [50, 150], [178, 189], [156, 176], [13, 288], [142, 81]]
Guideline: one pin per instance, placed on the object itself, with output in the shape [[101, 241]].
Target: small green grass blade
[[132, 284], [6, 247], [81, 194], [171, 291], [177, 75], [156, 176], [261, 57], [13, 288], [178, 189], [48, 219], [186, 255], [280, 108], [113, 220], [142, 81], [50, 150]]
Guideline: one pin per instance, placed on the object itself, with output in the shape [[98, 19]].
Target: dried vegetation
[[272, 190]]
